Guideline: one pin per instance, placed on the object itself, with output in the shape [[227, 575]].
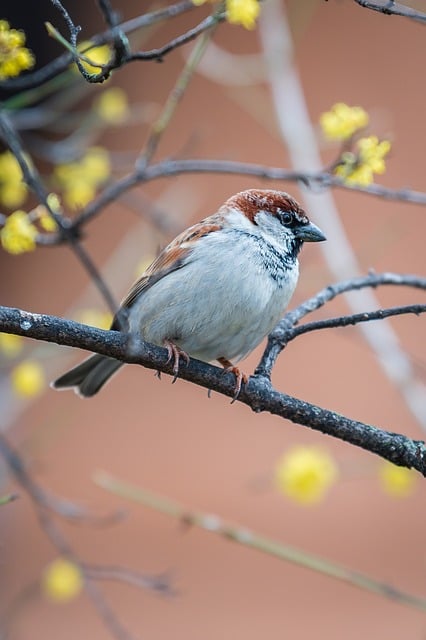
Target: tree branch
[[284, 331], [391, 8], [258, 394]]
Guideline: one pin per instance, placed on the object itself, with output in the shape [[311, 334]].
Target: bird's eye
[[286, 218]]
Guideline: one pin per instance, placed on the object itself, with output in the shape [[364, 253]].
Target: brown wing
[[171, 259]]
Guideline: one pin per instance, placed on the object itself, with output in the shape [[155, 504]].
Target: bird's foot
[[174, 354], [240, 377]]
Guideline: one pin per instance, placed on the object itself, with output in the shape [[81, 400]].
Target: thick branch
[[257, 394]]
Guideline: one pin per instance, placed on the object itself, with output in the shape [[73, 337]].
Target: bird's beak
[[309, 233]]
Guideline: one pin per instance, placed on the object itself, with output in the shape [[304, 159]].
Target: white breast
[[221, 303]]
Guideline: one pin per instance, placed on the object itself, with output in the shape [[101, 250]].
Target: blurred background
[[172, 439]]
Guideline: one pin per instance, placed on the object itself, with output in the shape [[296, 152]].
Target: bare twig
[[54, 534], [281, 334], [191, 34], [391, 8], [258, 393], [168, 168], [216, 525], [176, 95]]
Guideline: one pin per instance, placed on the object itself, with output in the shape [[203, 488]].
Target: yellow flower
[[47, 222], [10, 345], [80, 180], [97, 55], [62, 581], [13, 190], [244, 12], [95, 318], [28, 379], [14, 57], [112, 106], [360, 168], [341, 122], [18, 234], [396, 481], [305, 474]]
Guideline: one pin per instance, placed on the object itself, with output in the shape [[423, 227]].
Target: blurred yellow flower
[[80, 179], [18, 234], [14, 57], [13, 190], [244, 12], [28, 379], [10, 345], [397, 481], [62, 581], [97, 55], [305, 474], [95, 318], [341, 122], [359, 168], [112, 106]]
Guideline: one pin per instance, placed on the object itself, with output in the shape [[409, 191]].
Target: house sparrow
[[216, 290]]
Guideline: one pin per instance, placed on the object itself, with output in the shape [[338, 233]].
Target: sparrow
[[216, 290]]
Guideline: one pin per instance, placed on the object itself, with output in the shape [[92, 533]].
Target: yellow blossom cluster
[[342, 121], [244, 12], [305, 474], [61, 581], [359, 167], [14, 56], [18, 234], [79, 180], [358, 163], [13, 189]]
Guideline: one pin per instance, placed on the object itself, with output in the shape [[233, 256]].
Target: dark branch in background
[[258, 394], [119, 42], [57, 66], [90, 573], [391, 8], [286, 331]]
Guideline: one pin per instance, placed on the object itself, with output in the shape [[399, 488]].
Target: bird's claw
[[174, 353], [240, 377]]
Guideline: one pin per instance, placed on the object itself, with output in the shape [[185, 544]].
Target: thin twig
[[216, 525], [176, 95], [353, 319], [391, 8], [168, 168], [58, 540], [282, 332]]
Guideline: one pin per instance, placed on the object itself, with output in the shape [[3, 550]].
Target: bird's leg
[[175, 353], [240, 377]]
